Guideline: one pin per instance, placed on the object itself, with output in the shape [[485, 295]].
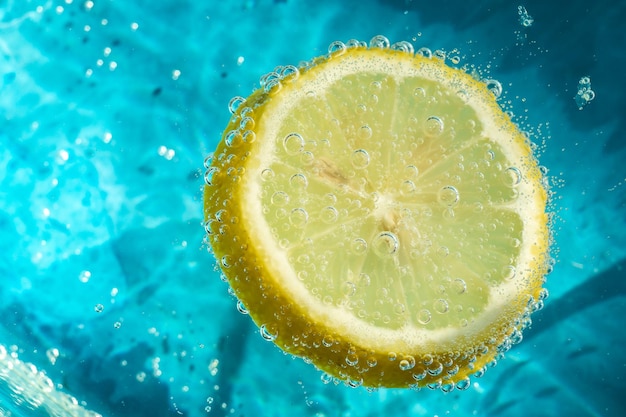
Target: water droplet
[[448, 196], [512, 177], [365, 132], [494, 86], [298, 217], [329, 214], [360, 158], [268, 332], [408, 362], [459, 286], [280, 198], [441, 306], [424, 316], [386, 244], [293, 144], [359, 246], [235, 103]]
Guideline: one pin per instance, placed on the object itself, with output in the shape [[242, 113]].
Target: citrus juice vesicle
[[378, 214]]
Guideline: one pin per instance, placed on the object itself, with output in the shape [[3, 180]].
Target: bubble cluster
[[584, 94], [525, 19]]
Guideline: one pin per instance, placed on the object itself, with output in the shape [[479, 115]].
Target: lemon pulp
[[378, 214]]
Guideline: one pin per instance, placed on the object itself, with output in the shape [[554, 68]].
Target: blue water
[[107, 110]]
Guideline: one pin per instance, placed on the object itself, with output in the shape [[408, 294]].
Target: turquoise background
[[107, 110]]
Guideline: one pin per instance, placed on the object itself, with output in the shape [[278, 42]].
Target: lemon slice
[[379, 215]]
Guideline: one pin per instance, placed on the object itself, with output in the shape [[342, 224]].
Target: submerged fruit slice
[[379, 215]]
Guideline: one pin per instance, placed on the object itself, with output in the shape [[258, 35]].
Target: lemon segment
[[380, 215]]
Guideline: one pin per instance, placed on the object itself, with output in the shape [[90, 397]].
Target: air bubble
[[246, 123], [293, 143], [328, 341], [419, 92], [441, 306], [280, 198], [399, 309], [268, 332], [209, 175], [448, 196], [424, 316], [386, 244], [241, 307], [235, 103], [379, 41], [508, 272], [329, 214], [371, 361], [349, 289], [512, 177], [403, 46], [298, 181], [494, 86], [434, 126], [407, 187], [226, 261], [407, 363], [435, 369], [364, 280], [337, 47], [365, 132], [352, 359], [359, 246], [463, 384], [425, 52], [360, 159], [267, 174], [459, 286], [392, 356], [289, 71], [98, 308], [233, 139]]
